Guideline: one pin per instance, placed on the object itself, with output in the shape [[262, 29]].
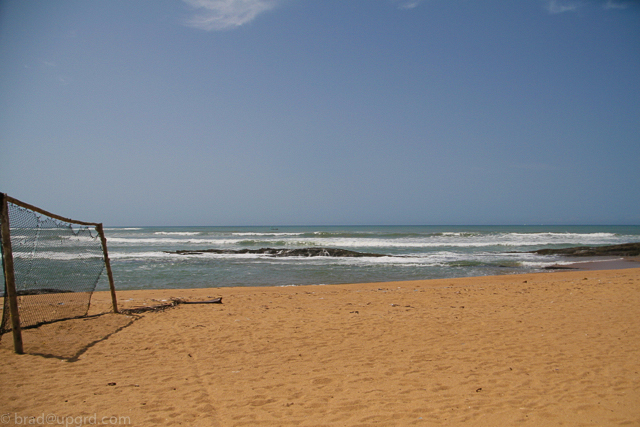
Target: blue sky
[[301, 112]]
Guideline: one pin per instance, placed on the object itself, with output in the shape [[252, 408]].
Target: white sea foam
[[462, 240], [150, 255], [165, 241], [453, 240], [58, 256], [142, 255], [177, 233], [266, 234], [123, 228]]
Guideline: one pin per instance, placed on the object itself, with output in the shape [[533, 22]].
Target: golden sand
[[548, 349]]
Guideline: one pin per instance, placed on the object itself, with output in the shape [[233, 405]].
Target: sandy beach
[[557, 348]]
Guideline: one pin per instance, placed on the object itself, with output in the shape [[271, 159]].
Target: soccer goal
[[51, 267]]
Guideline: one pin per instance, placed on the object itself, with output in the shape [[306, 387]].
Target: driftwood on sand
[[161, 307]]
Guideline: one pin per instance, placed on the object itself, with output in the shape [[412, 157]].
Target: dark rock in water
[[303, 252], [626, 249]]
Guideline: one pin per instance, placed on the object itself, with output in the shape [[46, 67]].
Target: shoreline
[[138, 298], [127, 299], [547, 349], [607, 263]]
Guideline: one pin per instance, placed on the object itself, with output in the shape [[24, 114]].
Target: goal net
[[56, 265]]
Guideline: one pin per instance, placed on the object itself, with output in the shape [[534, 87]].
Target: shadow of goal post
[[7, 260]]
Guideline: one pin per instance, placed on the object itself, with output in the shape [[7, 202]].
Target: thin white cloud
[[226, 14], [559, 6], [219, 15], [408, 4], [612, 4]]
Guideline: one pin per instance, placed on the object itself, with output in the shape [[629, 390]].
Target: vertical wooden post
[[9, 277], [112, 287]]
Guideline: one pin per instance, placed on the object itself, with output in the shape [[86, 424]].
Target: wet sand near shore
[[547, 349]]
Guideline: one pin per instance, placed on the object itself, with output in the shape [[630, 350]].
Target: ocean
[[141, 257]]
